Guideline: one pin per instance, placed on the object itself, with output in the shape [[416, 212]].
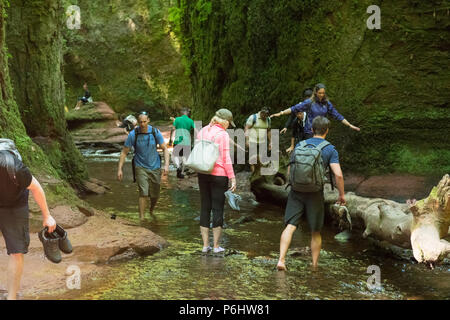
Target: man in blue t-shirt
[[147, 162], [311, 202]]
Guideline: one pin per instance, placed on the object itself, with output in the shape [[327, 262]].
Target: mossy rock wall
[[129, 56], [34, 38], [392, 82], [12, 127]]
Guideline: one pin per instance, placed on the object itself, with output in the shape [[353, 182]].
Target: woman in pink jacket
[[214, 185]]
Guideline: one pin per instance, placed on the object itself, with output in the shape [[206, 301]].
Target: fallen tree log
[[420, 226]]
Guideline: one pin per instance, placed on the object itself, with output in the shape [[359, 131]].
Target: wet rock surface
[[98, 241]]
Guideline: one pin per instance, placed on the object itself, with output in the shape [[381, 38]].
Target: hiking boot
[[233, 200], [51, 246], [64, 243]]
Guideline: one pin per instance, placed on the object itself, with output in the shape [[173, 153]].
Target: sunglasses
[[145, 113]]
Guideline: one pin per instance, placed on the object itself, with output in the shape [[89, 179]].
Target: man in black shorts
[[311, 202], [15, 183]]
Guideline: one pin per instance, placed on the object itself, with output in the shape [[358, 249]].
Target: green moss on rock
[[129, 56], [390, 82]]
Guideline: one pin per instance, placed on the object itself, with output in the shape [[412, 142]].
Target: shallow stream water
[[247, 270]]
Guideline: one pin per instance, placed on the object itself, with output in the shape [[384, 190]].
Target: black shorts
[[15, 229], [311, 202]]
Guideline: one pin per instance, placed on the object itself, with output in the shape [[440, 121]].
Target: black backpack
[[136, 134]]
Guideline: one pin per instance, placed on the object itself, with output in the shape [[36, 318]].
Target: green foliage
[[411, 160], [174, 18], [247, 54], [129, 56]]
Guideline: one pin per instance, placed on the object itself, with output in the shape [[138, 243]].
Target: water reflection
[[182, 272]]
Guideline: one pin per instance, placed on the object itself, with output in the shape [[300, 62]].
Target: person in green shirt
[[182, 141]]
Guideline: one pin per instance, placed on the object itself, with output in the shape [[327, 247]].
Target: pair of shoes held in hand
[[54, 243]]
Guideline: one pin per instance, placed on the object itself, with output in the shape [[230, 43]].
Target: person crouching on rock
[[309, 200], [15, 183], [214, 185], [85, 98], [147, 162]]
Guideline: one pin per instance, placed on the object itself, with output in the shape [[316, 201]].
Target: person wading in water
[[311, 202], [147, 162]]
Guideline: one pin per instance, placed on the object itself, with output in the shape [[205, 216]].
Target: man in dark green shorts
[[182, 142], [144, 139], [311, 202], [15, 183]]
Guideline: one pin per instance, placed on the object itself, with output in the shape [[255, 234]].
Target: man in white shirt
[[257, 134]]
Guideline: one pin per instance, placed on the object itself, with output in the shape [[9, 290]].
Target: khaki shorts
[[148, 181]]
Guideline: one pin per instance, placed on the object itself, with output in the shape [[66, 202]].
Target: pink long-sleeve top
[[223, 165]]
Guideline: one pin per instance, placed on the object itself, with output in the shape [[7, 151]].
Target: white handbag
[[203, 156]]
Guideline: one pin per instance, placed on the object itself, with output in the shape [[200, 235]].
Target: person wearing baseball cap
[[213, 186], [226, 114]]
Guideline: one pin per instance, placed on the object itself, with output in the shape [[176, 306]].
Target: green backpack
[[307, 172]]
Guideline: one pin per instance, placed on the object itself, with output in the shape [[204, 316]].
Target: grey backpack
[[307, 172], [8, 145]]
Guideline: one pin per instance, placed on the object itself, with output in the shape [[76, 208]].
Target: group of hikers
[[310, 127]]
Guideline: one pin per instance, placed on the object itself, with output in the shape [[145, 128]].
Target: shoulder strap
[[322, 145], [10, 165], [136, 132], [11, 168], [254, 119], [154, 135]]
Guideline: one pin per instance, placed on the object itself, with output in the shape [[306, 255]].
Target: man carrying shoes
[[15, 183]]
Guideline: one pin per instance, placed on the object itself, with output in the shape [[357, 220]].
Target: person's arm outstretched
[[281, 113], [288, 123], [350, 125], [335, 114]]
